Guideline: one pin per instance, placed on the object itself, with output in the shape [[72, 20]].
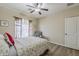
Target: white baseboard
[[63, 45], [57, 43]]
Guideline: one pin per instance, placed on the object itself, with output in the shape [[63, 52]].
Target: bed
[[30, 46]]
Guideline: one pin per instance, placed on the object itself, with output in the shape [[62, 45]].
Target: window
[[21, 28], [25, 28]]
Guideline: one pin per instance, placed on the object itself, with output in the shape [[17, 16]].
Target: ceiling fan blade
[[30, 6], [29, 9], [32, 11], [44, 9], [40, 13]]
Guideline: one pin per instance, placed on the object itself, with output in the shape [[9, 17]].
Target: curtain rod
[[17, 17]]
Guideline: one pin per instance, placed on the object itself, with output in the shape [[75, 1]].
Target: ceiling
[[24, 10]]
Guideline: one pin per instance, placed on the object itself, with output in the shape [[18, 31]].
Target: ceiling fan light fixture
[[37, 9]]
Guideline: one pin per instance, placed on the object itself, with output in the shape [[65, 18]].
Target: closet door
[[70, 32]]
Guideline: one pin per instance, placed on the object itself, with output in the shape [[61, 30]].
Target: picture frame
[[4, 23]]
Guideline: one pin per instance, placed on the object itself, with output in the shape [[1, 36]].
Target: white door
[[70, 32]]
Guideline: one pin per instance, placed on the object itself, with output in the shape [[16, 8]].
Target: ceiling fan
[[37, 7]]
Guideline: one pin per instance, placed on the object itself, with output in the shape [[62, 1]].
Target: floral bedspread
[[4, 49], [31, 46]]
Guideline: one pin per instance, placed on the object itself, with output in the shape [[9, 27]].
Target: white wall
[[34, 26], [53, 26]]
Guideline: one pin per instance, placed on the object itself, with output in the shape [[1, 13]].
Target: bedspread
[[31, 46], [4, 49]]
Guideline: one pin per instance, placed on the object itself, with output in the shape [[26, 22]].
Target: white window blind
[[21, 28]]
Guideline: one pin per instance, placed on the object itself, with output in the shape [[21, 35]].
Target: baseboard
[[63, 45], [56, 43]]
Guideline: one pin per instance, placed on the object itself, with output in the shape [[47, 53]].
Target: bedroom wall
[[34, 26], [7, 14], [53, 26]]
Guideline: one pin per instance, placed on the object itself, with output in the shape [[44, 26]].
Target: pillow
[[9, 38], [4, 49]]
